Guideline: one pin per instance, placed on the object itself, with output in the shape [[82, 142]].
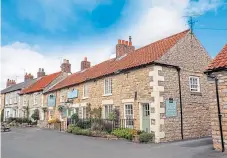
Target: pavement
[[39, 143]]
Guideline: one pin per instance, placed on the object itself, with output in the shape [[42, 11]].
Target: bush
[[18, 120], [84, 124], [123, 133], [76, 130], [79, 131], [146, 137], [35, 115], [54, 120], [75, 118], [97, 126], [70, 128]]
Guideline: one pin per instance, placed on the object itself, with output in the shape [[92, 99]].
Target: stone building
[[217, 70], [11, 96], [33, 97], [160, 86]]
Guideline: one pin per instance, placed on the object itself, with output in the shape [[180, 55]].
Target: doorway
[[146, 117]]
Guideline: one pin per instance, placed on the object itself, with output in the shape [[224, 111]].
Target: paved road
[[36, 143]]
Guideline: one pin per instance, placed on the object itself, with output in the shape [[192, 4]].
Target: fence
[[110, 124]]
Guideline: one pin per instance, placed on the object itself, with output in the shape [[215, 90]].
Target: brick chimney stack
[[28, 77], [10, 82], [85, 64], [40, 73], [66, 66], [124, 47]]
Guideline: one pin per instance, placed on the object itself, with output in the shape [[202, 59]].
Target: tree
[[35, 115]]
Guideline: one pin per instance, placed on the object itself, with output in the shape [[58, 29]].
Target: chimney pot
[[119, 41], [126, 42], [123, 42], [66, 66], [85, 64]]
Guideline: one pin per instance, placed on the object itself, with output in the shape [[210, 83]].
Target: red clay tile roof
[[41, 83], [142, 56], [220, 61]]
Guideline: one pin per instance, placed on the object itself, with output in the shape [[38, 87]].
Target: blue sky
[[43, 32]]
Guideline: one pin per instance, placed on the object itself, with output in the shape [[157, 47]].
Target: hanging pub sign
[[72, 94], [171, 108]]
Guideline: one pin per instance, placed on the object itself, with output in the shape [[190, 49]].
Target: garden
[[110, 128]]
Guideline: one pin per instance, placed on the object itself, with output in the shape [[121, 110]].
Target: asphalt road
[[36, 143]]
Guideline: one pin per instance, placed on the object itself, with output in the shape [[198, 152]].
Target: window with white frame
[[194, 84], [129, 116], [85, 91], [7, 99], [107, 109], [108, 86]]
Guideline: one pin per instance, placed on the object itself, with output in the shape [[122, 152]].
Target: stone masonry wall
[[125, 85], [192, 58], [222, 85]]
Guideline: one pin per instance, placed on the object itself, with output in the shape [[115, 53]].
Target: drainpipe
[[181, 106], [219, 115], [219, 111]]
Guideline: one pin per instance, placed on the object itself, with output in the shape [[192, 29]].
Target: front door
[[146, 117]]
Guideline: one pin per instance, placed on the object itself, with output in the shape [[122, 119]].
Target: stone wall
[[129, 87], [222, 84], [196, 117]]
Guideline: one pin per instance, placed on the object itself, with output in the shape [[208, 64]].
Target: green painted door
[[146, 117]]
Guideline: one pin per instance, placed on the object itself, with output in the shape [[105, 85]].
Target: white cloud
[[18, 58], [155, 19]]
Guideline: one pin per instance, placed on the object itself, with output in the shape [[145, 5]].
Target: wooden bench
[[4, 128]]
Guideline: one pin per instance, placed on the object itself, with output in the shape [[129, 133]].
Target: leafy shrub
[[146, 137], [84, 124], [76, 130], [123, 133], [86, 132], [70, 128], [18, 120], [79, 131], [75, 117], [35, 115], [97, 126]]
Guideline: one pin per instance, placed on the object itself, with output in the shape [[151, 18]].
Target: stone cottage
[[161, 86], [217, 75], [11, 96], [33, 97]]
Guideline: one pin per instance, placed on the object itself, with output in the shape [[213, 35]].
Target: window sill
[[85, 98], [106, 95], [196, 93]]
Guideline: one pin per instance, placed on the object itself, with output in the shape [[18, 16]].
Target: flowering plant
[[54, 120]]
